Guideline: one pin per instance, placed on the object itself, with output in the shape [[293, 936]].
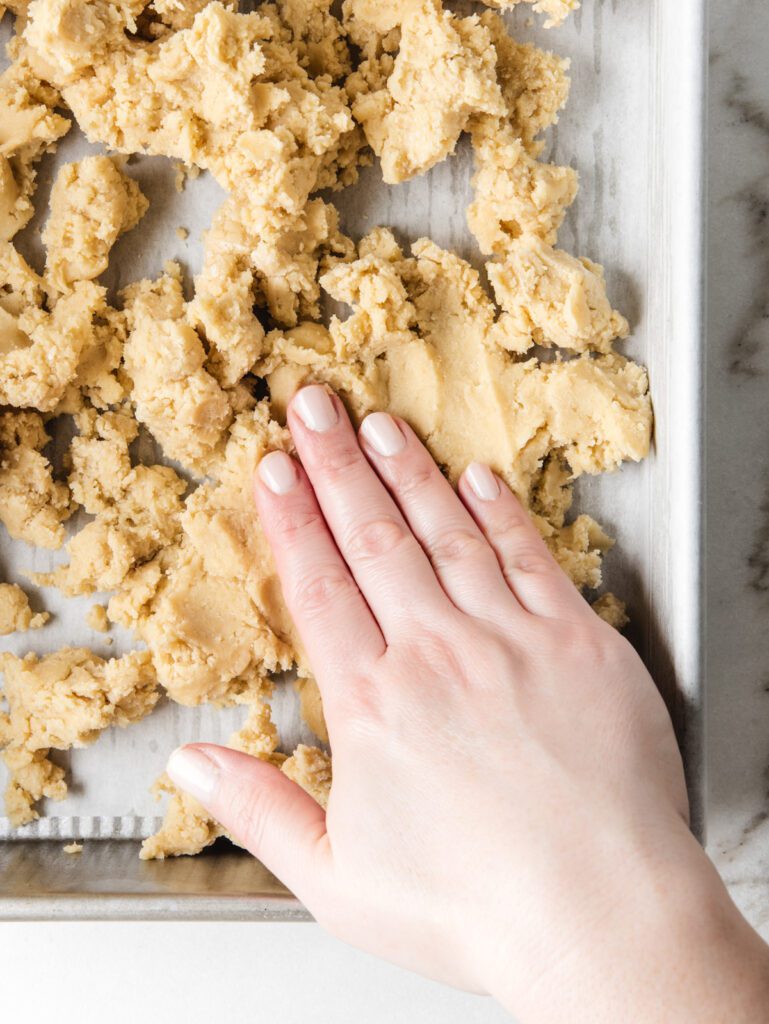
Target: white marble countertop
[[256, 966], [737, 502]]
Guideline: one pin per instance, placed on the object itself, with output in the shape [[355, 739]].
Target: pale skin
[[508, 812]]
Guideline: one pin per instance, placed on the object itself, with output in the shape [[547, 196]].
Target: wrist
[[655, 937]]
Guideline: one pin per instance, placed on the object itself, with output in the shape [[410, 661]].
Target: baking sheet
[[633, 129]]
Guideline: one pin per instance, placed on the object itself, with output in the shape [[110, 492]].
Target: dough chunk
[[33, 506], [227, 94], [310, 768], [311, 705], [28, 129], [515, 194], [32, 777], [187, 828], [137, 509], [98, 619], [17, 7], [15, 613], [612, 610], [425, 341], [99, 380], [41, 350], [318, 37], [579, 549], [92, 203], [554, 299], [70, 35], [444, 73], [176, 14], [534, 83], [277, 106], [556, 10], [62, 701], [211, 609], [255, 255], [177, 399], [101, 463]]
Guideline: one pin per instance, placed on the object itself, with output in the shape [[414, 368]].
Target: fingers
[[461, 556], [333, 619], [531, 572], [262, 809], [391, 569]]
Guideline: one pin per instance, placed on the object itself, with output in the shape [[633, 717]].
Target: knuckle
[[521, 548], [336, 459], [457, 545], [530, 561], [361, 704], [591, 647], [413, 477], [298, 521], [511, 526], [375, 538], [313, 596]]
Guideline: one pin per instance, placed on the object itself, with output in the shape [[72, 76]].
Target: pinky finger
[[533, 575]]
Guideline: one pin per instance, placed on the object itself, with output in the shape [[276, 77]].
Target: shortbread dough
[[534, 83], [426, 341], [175, 396], [228, 94], [209, 607], [29, 127], [283, 106], [136, 509], [556, 10], [97, 619], [15, 613], [255, 255], [92, 204], [58, 332], [443, 74], [62, 701], [187, 828], [419, 60], [33, 506], [310, 768]]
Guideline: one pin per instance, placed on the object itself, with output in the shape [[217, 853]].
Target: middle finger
[[388, 564], [462, 558]]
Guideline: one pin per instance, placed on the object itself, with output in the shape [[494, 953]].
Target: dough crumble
[[283, 106]]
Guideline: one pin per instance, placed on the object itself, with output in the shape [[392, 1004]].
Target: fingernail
[[383, 434], [193, 772], [278, 472], [314, 407], [483, 482]]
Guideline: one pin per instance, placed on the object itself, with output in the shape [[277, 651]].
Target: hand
[[508, 812]]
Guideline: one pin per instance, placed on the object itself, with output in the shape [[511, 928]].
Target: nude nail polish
[[315, 409], [483, 482], [383, 434], [278, 473], [193, 772]]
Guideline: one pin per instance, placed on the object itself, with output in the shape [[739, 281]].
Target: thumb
[[267, 813]]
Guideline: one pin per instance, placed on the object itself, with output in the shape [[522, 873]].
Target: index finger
[[337, 628]]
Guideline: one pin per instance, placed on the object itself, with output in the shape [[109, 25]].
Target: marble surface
[[737, 498]]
